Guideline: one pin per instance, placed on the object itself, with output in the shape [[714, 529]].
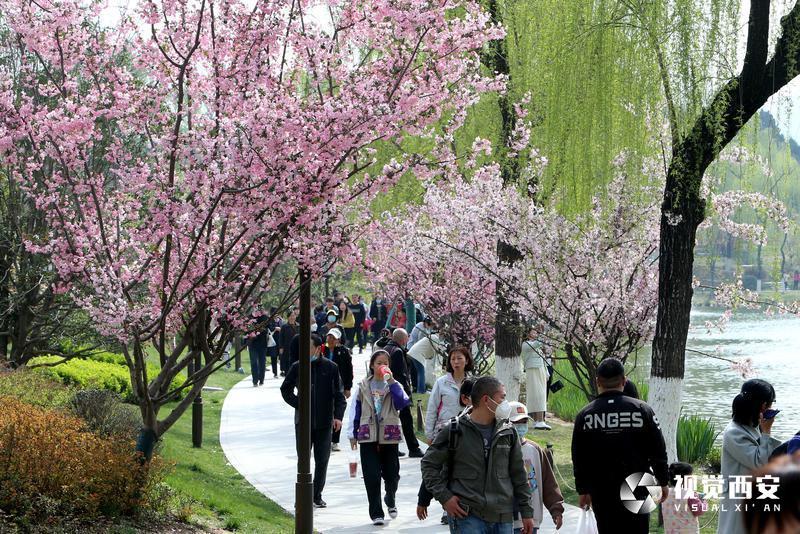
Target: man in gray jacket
[[479, 476]]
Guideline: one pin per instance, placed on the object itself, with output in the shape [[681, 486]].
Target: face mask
[[522, 429], [502, 411], [331, 318], [314, 357]]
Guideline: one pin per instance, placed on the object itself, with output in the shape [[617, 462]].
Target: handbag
[[271, 341], [587, 524]]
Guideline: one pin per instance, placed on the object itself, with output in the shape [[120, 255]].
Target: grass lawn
[[560, 437], [225, 498]]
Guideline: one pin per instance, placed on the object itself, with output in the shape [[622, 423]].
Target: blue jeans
[[475, 525], [258, 363], [519, 530], [420, 370]]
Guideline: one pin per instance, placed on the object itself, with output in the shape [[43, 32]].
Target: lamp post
[[327, 279], [197, 411], [304, 511]]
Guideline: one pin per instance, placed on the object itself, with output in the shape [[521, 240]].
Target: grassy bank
[[220, 493]]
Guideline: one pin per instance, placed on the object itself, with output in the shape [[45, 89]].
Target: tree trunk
[[508, 330], [675, 291]]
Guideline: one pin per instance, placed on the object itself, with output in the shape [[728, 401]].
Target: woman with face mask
[[545, 492]]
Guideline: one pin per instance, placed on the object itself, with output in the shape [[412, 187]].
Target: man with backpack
[[479, 477]]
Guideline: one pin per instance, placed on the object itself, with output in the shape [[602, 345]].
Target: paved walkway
[[257, 435]]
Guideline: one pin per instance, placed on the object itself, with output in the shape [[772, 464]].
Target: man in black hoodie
[[616, 437], [327, 410]]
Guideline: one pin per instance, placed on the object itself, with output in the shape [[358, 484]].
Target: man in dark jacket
[[377, 312], [327, 410], [481, 481], [289, 329], [397, 363], [359, 314], [617, 439], [257, 348], [340, 355]]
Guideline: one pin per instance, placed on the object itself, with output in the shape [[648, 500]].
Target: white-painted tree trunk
[[665, 397], [509, 372]]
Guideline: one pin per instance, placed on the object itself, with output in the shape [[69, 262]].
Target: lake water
[[773, 343]]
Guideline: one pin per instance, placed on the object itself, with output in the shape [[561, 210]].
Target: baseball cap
[[335, 333], [518, 412]]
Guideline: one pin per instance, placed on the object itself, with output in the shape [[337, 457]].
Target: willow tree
[[581, 80], [703, 117]]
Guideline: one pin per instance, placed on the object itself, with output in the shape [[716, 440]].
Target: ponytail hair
[[746, 406]]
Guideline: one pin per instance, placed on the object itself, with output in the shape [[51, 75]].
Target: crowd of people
[[480, 465]]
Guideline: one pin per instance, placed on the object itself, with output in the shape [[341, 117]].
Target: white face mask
[[502, 411]]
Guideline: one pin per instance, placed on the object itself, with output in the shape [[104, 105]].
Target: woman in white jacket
[[536, 380], [443, 404]]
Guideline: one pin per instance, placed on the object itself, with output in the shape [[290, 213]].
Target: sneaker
[[416, 453], [335, 447], [261, 383], [541, 425], [379, 521], [400, 454], [393, 512], [255, 384], [283, 373], [319, 503]]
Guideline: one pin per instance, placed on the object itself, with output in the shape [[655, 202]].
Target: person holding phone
[[376, 427], [746, 446]]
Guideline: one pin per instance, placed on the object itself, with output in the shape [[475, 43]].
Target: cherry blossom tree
[[588, 284], [186, 151]]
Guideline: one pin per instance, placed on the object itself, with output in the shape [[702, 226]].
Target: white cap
[[519, 412], [335, 333]]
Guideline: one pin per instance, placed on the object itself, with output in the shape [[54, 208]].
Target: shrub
[[50, 457], [86, 374], [108, 372], [695, 438], [106, 415], [34, 388]]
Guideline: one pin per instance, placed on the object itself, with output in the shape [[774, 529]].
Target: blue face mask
[[522, 429], [314, 357], [331, 318]]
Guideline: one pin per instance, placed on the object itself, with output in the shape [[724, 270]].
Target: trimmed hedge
[[104, 371], [35, 388]]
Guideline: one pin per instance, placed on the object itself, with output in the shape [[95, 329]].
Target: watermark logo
[[639, 493]]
